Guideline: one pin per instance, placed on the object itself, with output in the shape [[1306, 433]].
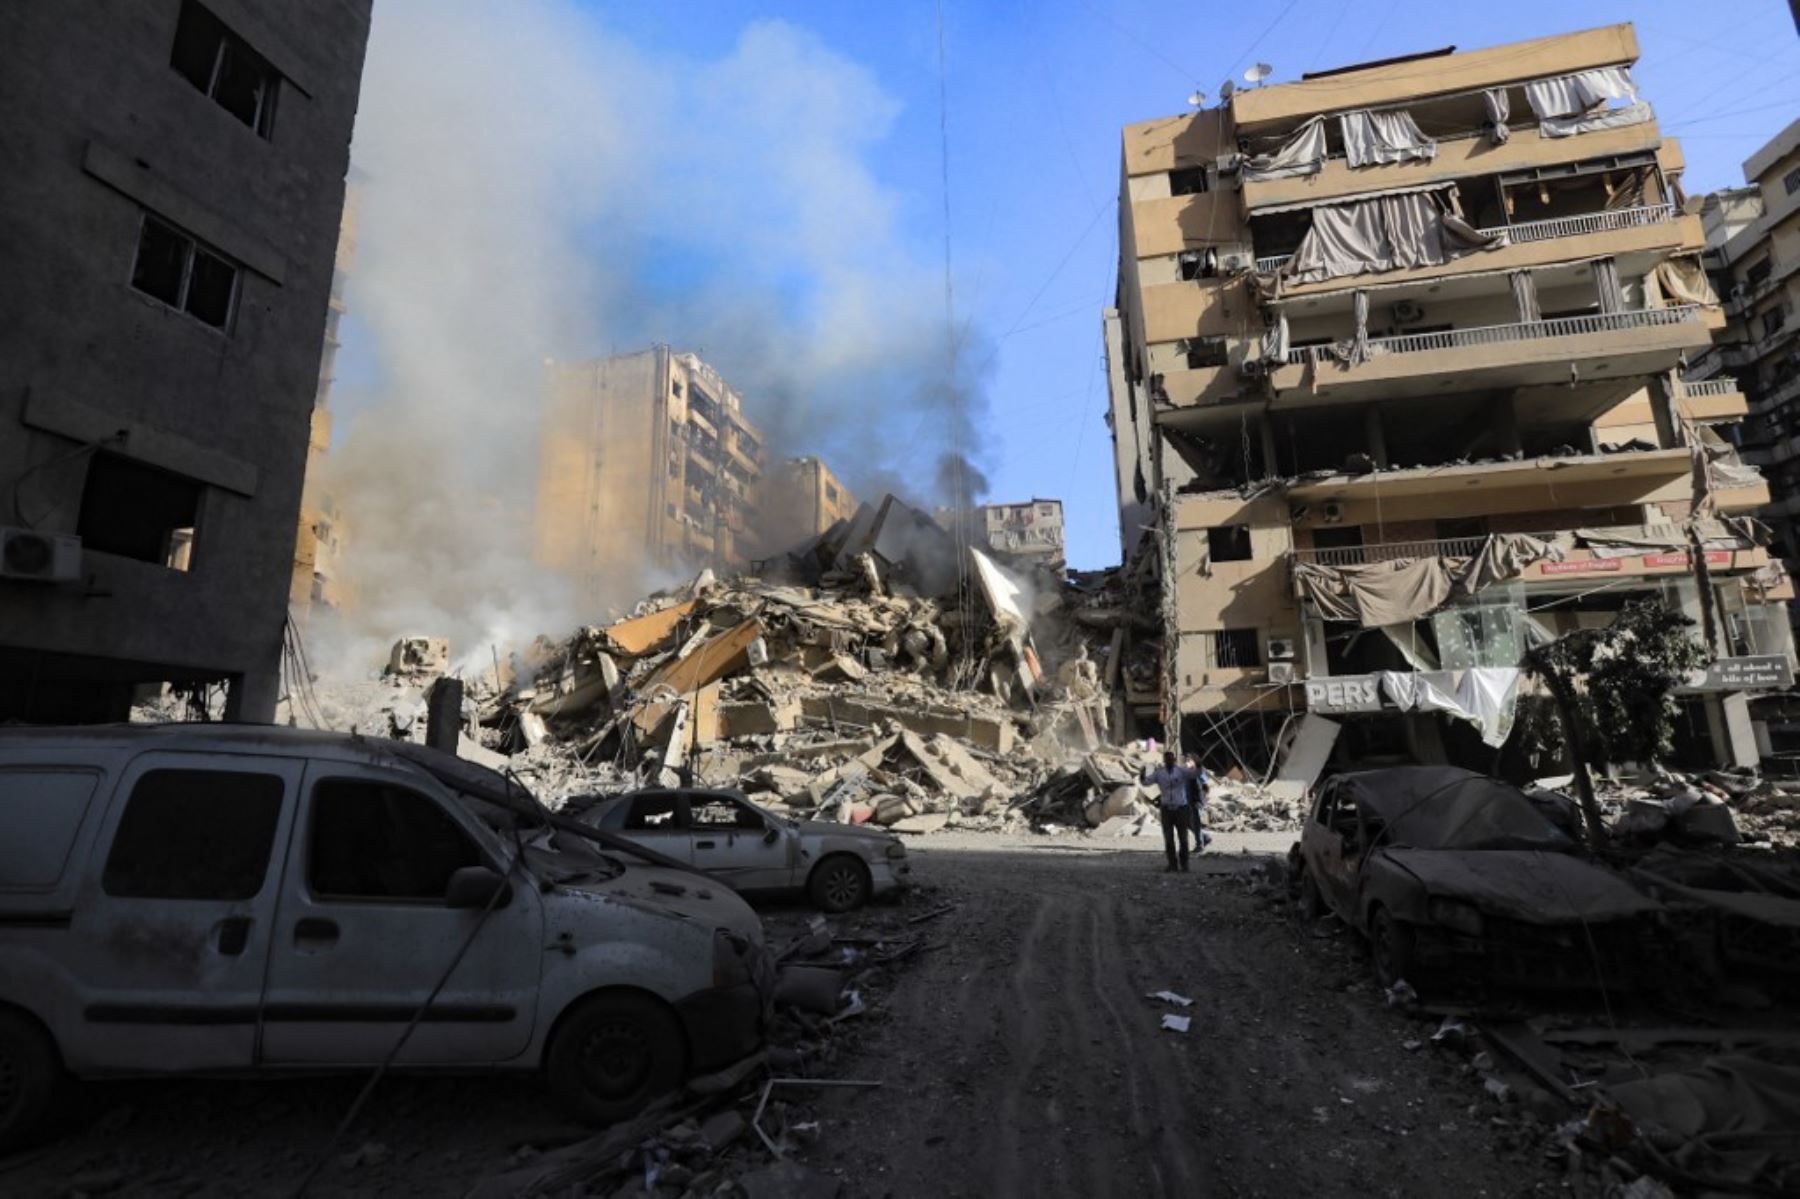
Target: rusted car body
[[1456, 877]]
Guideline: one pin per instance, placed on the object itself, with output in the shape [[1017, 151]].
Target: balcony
[[1717, 399], [1568, 226], [1574, 560]]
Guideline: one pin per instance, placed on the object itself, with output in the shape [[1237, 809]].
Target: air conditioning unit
[[1281, 648], [1235, 261], [1333, 512], [1281, 673], [1227, 164], [39, 557], [1407, 312]]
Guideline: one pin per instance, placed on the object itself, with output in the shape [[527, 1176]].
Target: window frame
[[448, 809], [107, 880], [193, 247], [231, 44]]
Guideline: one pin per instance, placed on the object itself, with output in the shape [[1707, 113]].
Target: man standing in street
[[1172, 805], [1197, 789]]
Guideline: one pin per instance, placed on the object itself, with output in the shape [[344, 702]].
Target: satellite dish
[[1227, 90], [1258, 73], [1196, 99]]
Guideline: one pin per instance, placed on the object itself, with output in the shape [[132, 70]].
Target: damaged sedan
[[1455, 878]]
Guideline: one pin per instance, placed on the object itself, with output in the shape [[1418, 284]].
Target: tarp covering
[[1624, 541], [1447, 807], [1383, 233], [1526, 885], [1377, 137], [1499, 108], [1487, 698], [1607, 118], [1729, 1121], [1565, 95], [1383, 593], [1302, 154]]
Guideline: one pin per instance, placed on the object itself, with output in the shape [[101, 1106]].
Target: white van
[[195, 899]]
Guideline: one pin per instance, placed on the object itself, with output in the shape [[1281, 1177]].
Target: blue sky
[[1037, 94]]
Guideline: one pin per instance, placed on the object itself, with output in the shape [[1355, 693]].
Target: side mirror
[[476, 887], [772, 835]]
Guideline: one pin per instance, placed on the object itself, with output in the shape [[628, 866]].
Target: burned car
[[838, 866], [1456, 877]]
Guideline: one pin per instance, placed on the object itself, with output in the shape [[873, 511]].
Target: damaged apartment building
[[648, 460], [1396, 368], [170, 230]]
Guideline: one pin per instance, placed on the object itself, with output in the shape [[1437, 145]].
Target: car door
[[658, 820], [171, 927], [363, 932], [738, 844], [1336, 873]]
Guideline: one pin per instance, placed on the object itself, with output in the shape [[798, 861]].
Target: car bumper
[[723, 1025], [888, 876]]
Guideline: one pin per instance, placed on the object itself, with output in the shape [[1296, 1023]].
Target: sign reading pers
[[1351, 693], [1753, 672]]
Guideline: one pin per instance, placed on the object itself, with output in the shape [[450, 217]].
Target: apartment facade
[[1030, 532], [176, 175], [801, 498], [646, 459], [1395, 369], [1753, 254]]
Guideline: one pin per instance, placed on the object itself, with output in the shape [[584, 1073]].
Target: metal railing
[[1565, 226], [1721, 386], [1487, 335], [1393, 551]]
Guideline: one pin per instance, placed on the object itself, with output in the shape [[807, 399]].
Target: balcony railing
[[1488, 335], [1394, 551], [1564, 226], [1722, 386]]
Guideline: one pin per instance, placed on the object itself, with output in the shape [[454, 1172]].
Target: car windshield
[[1442, 808]]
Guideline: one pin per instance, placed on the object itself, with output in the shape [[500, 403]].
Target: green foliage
[[1623, 677]]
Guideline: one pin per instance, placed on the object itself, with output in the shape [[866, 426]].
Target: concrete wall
[[99, 130]]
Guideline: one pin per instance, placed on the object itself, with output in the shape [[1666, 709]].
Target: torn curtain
[[1567, 95], [1386, 593], [1377, 137], [1302, 154], [1683, 281], [1499, 108], [1383, 233], [1605, 118], [1486, 697]]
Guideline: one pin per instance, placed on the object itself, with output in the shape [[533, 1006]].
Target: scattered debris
[[1174, 1023]]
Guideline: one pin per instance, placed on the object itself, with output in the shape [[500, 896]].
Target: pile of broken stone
[[1717, 806]]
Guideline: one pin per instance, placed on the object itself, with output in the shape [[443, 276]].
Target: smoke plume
[[535, 187]]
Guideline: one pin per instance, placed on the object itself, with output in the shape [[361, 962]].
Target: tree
[[1613, 689]]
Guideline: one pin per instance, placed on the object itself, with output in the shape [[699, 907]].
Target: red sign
[[1577, 568], [1713, 558]]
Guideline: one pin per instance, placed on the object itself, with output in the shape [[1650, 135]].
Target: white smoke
[[531, 183]]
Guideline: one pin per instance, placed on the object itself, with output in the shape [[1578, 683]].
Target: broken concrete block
[[724, 654], [647, 634], [419, 657], [532, 729], [992, 733], [758, 718], [925, 822], [721, 1129]]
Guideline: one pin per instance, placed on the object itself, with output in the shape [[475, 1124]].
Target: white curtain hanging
[[1384, 233], [1606, 118], [1524, 290], [1499, 108], [1302, 154], [1566, 95], [1606, 285], [1379, 137]]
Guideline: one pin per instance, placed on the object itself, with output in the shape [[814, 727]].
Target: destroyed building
[[1396, 386], [1752, 248], [802, 498], [1031, 531], [645, 458], [170, 230]]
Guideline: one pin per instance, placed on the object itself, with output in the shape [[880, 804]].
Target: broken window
[[1759, 273], [1791, 181], [1188, 181], [224, 67], [831, 494], [379, 841], [179, 271], [724, 814], [1236, 648], [137, 511], [1204, 352], [1773, 319], [654, 813], [1228, 543], [194, 834]]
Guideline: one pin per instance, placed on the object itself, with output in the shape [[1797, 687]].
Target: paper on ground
[[1174, 1022]]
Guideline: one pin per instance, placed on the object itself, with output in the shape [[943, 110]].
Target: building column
[[1265, 426], [1669, 433], [1373, 436], [251, 697], [1731, 730]]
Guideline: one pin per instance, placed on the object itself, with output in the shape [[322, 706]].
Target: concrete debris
[[419, 658]]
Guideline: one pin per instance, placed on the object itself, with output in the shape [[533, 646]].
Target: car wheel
[[614, 1053], [30, 1075], [839, 883], [1391, 945], [1312, 903]]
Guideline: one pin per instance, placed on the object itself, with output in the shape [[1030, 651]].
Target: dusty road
[[1019, 1056]]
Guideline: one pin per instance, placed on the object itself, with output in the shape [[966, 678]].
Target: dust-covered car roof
[[1443, 807]]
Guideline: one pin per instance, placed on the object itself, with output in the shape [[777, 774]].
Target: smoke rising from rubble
[[531, 188]]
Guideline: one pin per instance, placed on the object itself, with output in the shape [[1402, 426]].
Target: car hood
[[855, 832], [681, 894], [1523, 884]]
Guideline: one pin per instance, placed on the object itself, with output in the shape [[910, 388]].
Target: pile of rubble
[[1710, 807]]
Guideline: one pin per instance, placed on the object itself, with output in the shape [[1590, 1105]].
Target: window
[[1773, 319], [831, 494], [1236, 648], [224, 67], [137, 511], [1791, 181], [1228, 543], [1461, 527], [724, 814], [675, 387], [1205, 352], [654, 813], [1188, 181], [41, 808], [194, 834], [1759, 273], [174, 268], [380, 841]]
